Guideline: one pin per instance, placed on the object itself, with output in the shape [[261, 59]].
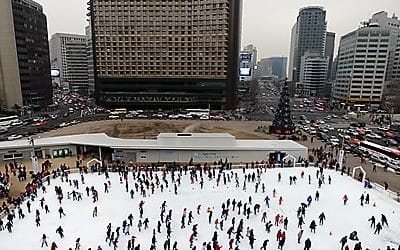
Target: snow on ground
[[116, 205]]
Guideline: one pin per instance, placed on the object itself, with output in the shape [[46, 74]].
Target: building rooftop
[[181, 141]]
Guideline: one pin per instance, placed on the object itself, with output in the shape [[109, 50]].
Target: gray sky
[[265, 23]]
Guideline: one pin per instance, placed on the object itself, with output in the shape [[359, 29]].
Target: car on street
[[63, 124], [16, 123], [374, 136], [113, 117], [14, 137]]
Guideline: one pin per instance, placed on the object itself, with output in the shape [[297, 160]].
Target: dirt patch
[[149, 129], [128, 129]]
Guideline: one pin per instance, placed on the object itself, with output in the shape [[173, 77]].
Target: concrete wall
[[26, 153]]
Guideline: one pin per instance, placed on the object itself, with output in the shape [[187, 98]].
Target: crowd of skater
[[231, 219]]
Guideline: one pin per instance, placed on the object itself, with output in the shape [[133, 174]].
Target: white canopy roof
[[181, 141]]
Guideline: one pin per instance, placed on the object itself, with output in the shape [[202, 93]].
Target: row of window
[[152, 39], [156, 73]]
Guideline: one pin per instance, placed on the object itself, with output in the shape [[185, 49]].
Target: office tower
[[263, 68], [166, 54], [247, 63], [362, 64], [272, 66], [10, 85], [77, 67], [59, 45], [313, 74], [393, 89], [253, 50], [89, 52], [278, 66], [393, 24], [292, 50], [396, 64], [383, 20], [308, 35], [329, 51], [25, 36]]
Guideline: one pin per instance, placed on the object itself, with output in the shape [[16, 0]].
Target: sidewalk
[[17, 186], [380, 176]]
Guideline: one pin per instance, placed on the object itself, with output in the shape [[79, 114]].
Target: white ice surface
[[116, 205]]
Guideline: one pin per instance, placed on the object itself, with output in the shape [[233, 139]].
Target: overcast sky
[[265, 23]]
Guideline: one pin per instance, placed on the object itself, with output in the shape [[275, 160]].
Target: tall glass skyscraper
[[308, 35]]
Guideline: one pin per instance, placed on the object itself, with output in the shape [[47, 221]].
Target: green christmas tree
[[283, 123]]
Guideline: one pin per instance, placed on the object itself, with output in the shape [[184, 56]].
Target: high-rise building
[[89, 52], [272, 66], [263, 68], [278, 66], [77, 67], [393, 24], [10, 85], [166, 53], [293, 42], [59, 44], [329, 51], [362, 65], [25, 36], [383, 20], [396, 64], [247, 63], [313, 74], [308, 35]]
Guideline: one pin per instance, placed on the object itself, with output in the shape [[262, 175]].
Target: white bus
[[7, 120], [198, 112], [120, 111]]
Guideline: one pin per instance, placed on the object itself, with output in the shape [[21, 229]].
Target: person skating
[[372, 219], [300, 222], [78, 244], [299, 235], [313, 225], [357, 246], [384, 220], [285, 223], [353, 235], [9, 226], [251, 239], [53, 246], [191, 239], [281, 243], [44, 240], [343, 241], [307, 244], [61, 212], [378, 228], [60, 231], [264, 245], [267, 201], [321, 218]]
